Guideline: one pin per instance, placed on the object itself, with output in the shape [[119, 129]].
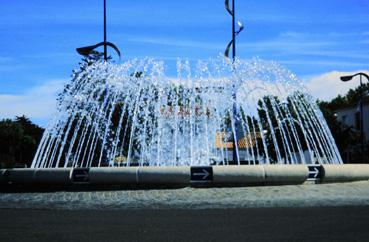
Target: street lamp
[[232, 43], [349, 78], [87, 50]]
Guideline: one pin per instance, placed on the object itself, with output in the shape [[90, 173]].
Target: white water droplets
[[132, 114]]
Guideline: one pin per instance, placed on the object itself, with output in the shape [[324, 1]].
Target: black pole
[[362, 138], [234, 124], [87, 50], [234, 96], [233, 30], [361, 120], [105, 45]]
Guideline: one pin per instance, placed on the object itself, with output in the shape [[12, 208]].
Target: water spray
[[232, 43]]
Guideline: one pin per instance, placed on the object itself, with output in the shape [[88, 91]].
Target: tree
[[346, 137], [19, 139]]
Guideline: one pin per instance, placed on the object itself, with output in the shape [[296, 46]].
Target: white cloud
[[328, 85], [38, 102]]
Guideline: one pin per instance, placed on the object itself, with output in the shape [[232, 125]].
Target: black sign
[[315, 172], [80, 175], [201, 173]]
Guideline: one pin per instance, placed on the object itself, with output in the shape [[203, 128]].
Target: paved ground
[[344, 194], [330, 212], [247, 224]]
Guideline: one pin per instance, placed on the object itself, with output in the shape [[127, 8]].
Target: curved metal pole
[[105, 46], [232, 12], [233, 31], [361, 74], [87, 50], [232, 43], [348, 78], [361, 118]]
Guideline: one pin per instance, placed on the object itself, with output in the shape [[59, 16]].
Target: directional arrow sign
[[202, 173], [80, 175], [314, 172]]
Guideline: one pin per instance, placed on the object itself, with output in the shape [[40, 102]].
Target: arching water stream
[[133, 114]]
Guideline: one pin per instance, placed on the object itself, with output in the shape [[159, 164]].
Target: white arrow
[[315, 172], [84, 175], [205, 174]]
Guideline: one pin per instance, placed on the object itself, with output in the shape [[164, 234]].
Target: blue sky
[[318, 40]]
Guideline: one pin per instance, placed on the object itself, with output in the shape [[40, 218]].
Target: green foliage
[[19, 139], [346, 137], [351, 98], [343, 135]]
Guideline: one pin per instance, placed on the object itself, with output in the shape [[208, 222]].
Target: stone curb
[[344, 173], [220, 175]]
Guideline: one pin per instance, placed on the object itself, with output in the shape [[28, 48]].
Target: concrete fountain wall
[[181, 176]]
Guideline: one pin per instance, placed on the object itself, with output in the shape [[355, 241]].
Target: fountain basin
[[345, 173], [238, 174], [4, 176], [110, 176], [247, 175], [25, 176], [139, 175], [285, 174]]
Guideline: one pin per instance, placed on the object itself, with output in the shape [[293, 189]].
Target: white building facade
[[350, 116]]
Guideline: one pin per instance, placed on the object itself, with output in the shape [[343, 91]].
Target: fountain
[[132, 114], [216, 112]]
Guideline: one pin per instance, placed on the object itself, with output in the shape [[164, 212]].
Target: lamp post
[[232, 43], [105, 46], [346, 79], [87, 50]]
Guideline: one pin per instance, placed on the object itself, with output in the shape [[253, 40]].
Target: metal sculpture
[[234, 32], [232, 43], [87, 50]]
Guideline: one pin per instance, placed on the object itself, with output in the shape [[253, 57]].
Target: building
[[350, 116]]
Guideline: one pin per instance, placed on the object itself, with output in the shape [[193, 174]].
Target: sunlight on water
[[133, 114]]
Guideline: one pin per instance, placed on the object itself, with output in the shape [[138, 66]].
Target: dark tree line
[[347, 137], [19, 139]]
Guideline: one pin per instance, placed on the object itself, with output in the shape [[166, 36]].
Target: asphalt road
[[244, 224]]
